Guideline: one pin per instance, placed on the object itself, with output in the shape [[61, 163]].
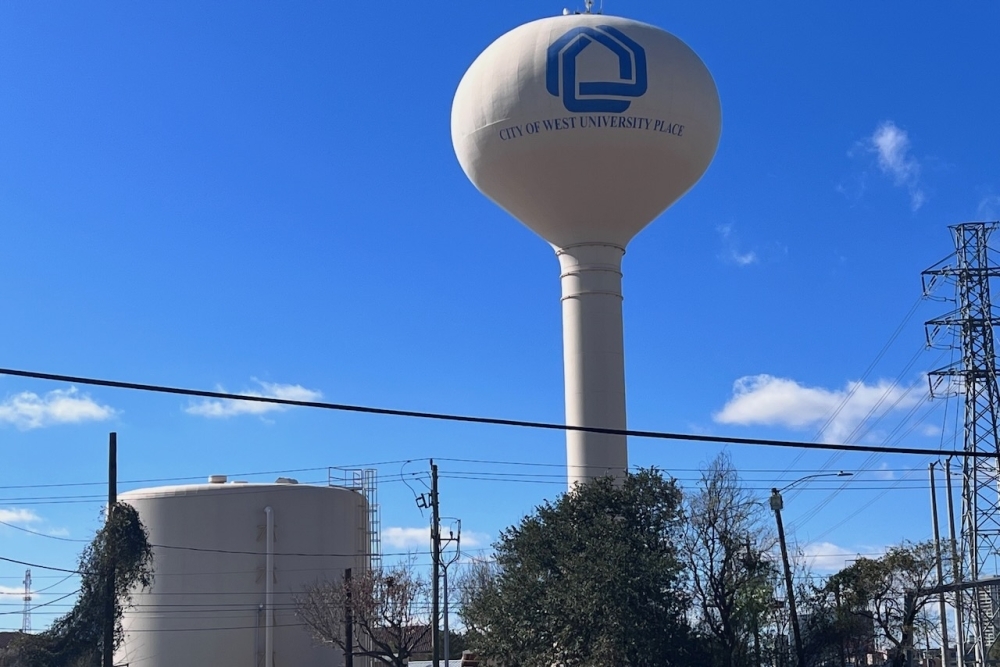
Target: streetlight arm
[[819, 474]]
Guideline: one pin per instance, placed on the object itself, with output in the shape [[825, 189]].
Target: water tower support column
[[593, 359]]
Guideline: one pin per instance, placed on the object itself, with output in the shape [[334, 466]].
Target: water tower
[[585, 128]]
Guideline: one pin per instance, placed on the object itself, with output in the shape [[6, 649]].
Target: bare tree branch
[[386, 608]]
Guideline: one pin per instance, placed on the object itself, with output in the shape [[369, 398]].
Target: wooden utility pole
[[436, 560], [109, 599], [777, 505]]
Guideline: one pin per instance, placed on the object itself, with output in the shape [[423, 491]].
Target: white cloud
[[854, 186], [930, 431], [827, 558], [892, 146], [989, 208], [883, 472], [411, 538], [475, 540], [18, 516], [774, 401], [732, 252], [407, 538], [27, 410], [18, 592], [215, 408]]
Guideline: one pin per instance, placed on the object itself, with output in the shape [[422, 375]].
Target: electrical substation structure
[[971, 269]]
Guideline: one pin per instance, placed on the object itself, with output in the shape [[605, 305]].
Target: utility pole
[[109, 599], [940, 569], [776, 505], [956, 566], [348, 620], [436, 560], [909, 602]]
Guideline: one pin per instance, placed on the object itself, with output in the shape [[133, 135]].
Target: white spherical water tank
[[586, 128], [210, 603]]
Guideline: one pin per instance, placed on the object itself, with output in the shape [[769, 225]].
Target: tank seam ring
[[582, 268], [590, 292], [562, 250]]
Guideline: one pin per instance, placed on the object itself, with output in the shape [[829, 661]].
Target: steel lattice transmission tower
[[971, 268], [26, 618]]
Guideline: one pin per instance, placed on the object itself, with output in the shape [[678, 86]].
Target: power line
[[35, 532], [39, 606], [298, 555], [41, 567], [394, 477], [440, 416], [864, 376], [197, 477]]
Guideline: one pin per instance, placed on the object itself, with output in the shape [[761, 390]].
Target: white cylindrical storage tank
[[586, 128], [228, 561]]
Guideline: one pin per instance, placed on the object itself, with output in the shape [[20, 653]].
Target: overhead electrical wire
[[864, 376], [871, 501], [865, 426], [35, 532], [40, 567], [391, 477], [873, 459], [867, 465], [197, 477], [39, 606], [440, 416], [872, 365]]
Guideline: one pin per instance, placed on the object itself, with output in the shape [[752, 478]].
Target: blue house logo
[[595, 96]]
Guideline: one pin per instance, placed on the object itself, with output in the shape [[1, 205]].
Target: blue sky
[[264, 197]]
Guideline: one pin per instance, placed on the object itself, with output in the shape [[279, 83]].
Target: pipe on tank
[[269, 592], [256, 637], [593, 359]]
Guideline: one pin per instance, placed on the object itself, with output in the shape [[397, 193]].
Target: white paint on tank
[[586, 128], [208, 604]]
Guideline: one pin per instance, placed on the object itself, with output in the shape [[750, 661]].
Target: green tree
[[76, 640], [834, 632], [864, 604], [592, 579]]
